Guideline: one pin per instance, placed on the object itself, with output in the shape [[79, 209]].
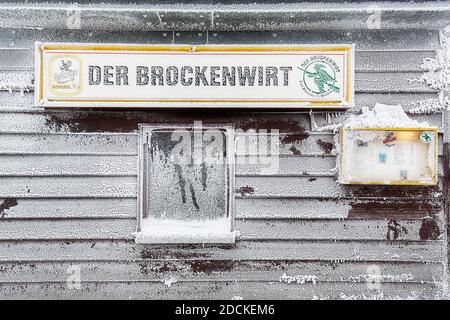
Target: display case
[[391, 156]]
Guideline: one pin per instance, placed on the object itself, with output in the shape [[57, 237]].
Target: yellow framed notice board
[[395, 156]]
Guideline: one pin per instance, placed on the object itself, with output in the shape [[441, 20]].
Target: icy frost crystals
[[436, 76]]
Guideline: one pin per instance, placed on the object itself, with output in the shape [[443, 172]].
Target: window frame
[[144, 134]]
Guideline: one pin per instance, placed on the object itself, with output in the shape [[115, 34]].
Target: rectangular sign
[[116, 75], [398, 156]]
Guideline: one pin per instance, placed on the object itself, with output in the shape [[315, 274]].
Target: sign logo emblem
[[426, 137], [65, 75], [319, 76]]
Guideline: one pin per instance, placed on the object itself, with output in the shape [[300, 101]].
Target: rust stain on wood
[[6, 204], [293, 138], [127, 121], [181, 252], [429, 230], [244, 191], [92, 122], [393, 209], [107, 121], [394, 230], [326, 147], [292, 130], [149, 268], [294, 150], [386, 191], [211, 266]]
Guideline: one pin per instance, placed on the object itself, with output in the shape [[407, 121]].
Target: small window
[[186, 177]]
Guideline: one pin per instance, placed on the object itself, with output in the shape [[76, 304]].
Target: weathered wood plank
[[220, 290], [103, 121], [16, 59], [213, 270], [255, 186], [70, 208], [112, 250], [324, 187], [63, 187], [63, 165], [390, 82], [408, 60], [245, 208], [101, 165], [270, 16], [67, 229], [263, 144], [336, 208], [432, 120], [288, 16], [363, 39], [25, 38], [329, 229], [291, 208], [284, 165], [69, 144], [249, 229], [126, 144], [19, 103]]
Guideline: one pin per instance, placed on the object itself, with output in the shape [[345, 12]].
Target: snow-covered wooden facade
[[68, 178]]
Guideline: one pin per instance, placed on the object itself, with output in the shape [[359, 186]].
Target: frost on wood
[[16, 81], [436, 76], [168, 282], [404, 277], [429, 106], [377, 296], [300, 279]]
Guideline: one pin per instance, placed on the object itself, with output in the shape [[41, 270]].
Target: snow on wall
[[380, 116], [436, 76], [16, 81]]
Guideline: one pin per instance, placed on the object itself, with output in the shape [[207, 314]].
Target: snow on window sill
[[143, 238], [154, 231]]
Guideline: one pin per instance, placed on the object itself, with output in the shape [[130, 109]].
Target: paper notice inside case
[[404, 153], [399, 154]]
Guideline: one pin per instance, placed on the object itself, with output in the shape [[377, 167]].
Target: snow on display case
[[396, 156]]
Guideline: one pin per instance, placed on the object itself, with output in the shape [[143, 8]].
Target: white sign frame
[[52, 91]]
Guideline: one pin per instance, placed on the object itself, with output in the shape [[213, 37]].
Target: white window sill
[[190, 231], [142, 237]]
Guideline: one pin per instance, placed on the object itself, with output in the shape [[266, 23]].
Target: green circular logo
[[426, 136], [318, 77]]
